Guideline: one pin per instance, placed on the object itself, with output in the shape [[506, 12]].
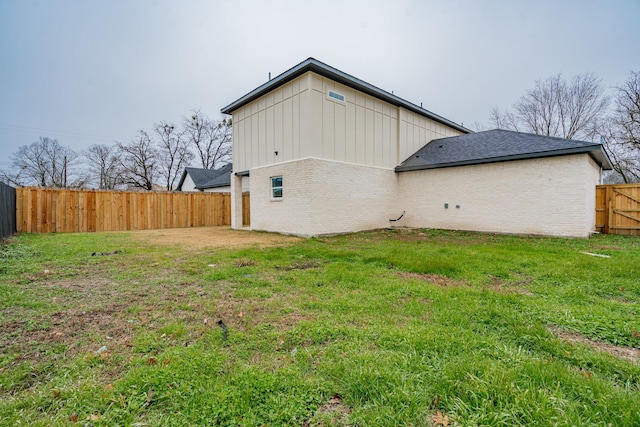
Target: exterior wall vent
[[335, 96]]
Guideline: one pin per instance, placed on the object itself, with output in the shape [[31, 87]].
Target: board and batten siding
[[269, 124], [298, 120], [417, 130]]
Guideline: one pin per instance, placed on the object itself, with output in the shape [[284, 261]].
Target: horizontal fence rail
[[618, 209], [41, 210]]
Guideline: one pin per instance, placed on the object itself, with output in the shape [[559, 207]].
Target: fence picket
[[40, 210]]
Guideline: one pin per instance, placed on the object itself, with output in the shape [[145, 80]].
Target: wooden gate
[[618, 209]]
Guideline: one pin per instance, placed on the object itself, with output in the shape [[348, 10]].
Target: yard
[[209, 326]]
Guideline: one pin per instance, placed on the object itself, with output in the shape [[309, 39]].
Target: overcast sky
[[87, 72]]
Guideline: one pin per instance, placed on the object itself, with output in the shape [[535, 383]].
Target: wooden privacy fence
[[618, 209], [40, 210], [7, 211]]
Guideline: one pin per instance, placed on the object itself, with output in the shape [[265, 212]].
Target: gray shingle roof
[[336, 75], [207, 178], [497, 146]]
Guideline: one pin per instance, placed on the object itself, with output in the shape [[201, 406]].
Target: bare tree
[[173, 152], [138, 160], [210, 139], [556, 107], [46, 163], [628, 111], [9, 177], [621, 135], [503, 120], [104, 166]]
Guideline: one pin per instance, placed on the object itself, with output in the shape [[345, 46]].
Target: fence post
[[608, 212], [7, 211]]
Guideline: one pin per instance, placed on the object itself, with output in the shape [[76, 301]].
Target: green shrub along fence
[[7, 211]]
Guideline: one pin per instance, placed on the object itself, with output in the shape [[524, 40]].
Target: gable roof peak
[[325, 70], [207, 178]]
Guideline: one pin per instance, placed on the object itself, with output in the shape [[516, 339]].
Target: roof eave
[[602, 158], [595, 151], [205, 187], [325, 70]]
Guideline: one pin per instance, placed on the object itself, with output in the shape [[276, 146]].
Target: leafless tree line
[[151, 160], [579, 108]]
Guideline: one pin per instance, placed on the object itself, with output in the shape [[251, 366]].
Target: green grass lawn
[[383, 328]]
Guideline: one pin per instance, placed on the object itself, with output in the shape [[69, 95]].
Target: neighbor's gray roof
[[497, 146], [207, 178], [334, 74]]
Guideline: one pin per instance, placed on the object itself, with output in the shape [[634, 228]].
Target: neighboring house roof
[[497, 146], [207, 178], [336, 75]]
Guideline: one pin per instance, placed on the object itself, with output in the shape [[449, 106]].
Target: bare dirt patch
[[334, 412], [299, 265], [626, 353], [335, 406], [243, 313], [439, 236], [71, 328], [83, 290], [500, 286], [211, 237], [435, 279]]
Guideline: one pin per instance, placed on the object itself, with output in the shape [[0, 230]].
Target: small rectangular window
[[276, 187], [335, 96]]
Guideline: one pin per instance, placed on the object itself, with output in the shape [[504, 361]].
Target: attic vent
[[335, 96]]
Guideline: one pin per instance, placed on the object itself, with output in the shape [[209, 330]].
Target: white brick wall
[[552, 196], [323, 197]]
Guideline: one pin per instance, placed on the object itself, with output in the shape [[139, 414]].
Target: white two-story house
[[323, 152]]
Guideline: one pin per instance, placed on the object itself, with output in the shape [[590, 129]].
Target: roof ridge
[[543, 136]]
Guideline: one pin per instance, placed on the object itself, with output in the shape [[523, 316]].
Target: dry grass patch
[[435, 236], [299, 265], [332, 413], [498, 285], [246, 313], [626, 353], [78, 331], [434, 279], [85, 290], [244, 263]]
